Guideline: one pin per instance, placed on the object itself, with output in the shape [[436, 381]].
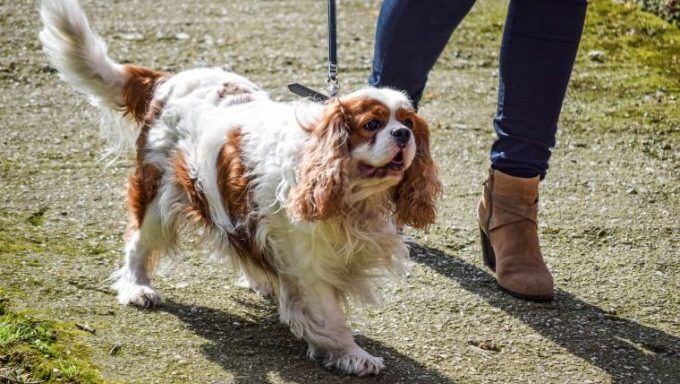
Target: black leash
[[333, 84]]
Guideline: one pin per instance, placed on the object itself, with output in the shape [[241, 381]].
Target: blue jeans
[[540, 40]]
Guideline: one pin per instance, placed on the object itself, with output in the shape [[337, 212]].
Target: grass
[[37, 218], [36, 350], [640, 67], [17, 238]]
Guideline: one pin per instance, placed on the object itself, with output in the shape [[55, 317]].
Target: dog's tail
[[79, 55]]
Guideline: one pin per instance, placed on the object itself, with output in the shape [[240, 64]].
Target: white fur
[[78, 53], [319, 265]]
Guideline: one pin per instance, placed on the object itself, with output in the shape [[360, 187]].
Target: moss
[[18, 238], [37, 218], [646, 48], [639, 69], [666, 9], [42, 350]]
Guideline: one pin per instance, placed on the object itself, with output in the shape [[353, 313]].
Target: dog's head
[[368, 144]]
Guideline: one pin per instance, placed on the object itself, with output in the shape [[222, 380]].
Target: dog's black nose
[[401, 136]]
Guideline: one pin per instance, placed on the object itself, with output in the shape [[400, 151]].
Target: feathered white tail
[[79, 55]]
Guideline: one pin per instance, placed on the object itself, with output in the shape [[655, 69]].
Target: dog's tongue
[[371, 171], [366, 170], [397, 162]]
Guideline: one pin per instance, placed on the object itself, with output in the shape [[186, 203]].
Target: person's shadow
[[628, 351], [259, 349]]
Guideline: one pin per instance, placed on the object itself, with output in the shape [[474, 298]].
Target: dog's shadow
[[628, 351], [259, 349]]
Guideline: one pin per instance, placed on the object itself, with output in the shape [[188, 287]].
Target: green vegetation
[[632, 57], [37, 218], [667, 9], [33, 350], [635, 40]]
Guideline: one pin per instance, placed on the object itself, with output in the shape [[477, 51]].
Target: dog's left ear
[[420, 188], [320, 191]]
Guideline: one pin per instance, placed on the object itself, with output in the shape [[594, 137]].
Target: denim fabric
[[540, 40]]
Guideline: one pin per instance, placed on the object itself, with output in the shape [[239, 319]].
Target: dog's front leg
[[313, 310]]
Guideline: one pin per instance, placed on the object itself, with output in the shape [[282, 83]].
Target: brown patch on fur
[[420, 187], [138, 90], [198, 208], [230, 89], [231, 176], [143, 184], [234, 189], [320, 191], [142, 188], [358, 113], [236, 93]]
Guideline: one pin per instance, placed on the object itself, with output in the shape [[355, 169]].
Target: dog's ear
[[320, 191], [418, 191]]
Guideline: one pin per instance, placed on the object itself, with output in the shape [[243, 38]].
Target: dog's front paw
[[357, 362], [142, 296]]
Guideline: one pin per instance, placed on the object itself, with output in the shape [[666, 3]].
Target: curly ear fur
[[320, 191], [418, 191]]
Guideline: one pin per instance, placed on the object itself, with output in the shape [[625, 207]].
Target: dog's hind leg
[[142, 249], [145, 240], [313, 310]]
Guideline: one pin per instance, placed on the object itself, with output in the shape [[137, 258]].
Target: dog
[[306, 199]]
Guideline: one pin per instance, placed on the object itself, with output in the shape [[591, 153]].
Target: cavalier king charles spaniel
[[306, 199]]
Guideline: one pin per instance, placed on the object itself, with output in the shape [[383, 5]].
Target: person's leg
[[539, 46], [409, 38]]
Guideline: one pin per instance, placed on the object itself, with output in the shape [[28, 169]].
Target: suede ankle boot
[[507, 216]]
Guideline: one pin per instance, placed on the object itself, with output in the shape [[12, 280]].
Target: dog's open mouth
[[396, 164]]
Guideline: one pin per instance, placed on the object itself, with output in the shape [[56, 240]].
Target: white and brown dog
[[305, 198]]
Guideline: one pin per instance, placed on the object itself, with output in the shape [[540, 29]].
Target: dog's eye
[[408, 123], [373, 125]]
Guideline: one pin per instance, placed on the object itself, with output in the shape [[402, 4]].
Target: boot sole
[[489, 258]]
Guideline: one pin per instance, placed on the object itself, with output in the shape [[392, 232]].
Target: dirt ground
[[608, 215]]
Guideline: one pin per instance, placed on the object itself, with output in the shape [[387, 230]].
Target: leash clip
[[333, 86], [332, 81]]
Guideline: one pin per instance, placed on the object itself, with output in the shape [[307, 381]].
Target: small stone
[[131, 36], [115, 349], [182, 36], [597, 56]]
